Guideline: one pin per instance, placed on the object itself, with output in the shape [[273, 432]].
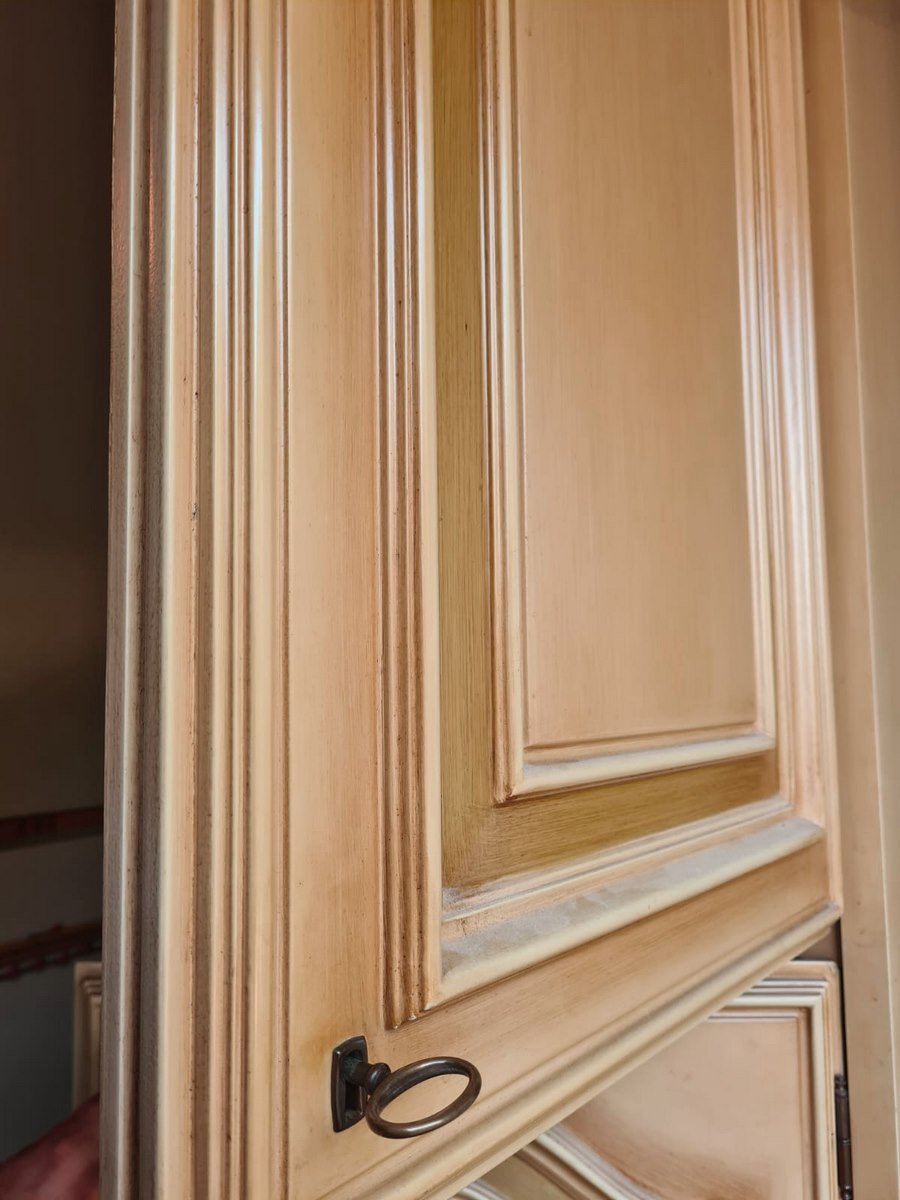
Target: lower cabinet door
[[740, 1108]]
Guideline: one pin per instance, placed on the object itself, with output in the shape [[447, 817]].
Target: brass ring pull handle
[[363, 1089]]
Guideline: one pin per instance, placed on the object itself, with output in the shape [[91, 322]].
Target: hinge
[[842, 1137]]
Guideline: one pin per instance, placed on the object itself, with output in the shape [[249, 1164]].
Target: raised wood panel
[[612, 495], [86, 1004], [499, 308], [742, 1106], [635, 553]]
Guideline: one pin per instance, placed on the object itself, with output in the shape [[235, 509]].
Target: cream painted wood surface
[[521, 442], [86, 1031], [320, 629], [853, 105], [633, 464], [740, 1107]]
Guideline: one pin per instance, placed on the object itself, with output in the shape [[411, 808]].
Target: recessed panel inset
[[637, 563]]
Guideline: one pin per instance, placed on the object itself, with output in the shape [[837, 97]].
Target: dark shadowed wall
[[56, 67]]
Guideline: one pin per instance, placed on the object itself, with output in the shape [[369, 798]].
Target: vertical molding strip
[[409, 585], [195, 1025], [267, 944]]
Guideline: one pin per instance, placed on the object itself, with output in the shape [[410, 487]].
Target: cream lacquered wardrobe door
[[469, 684]]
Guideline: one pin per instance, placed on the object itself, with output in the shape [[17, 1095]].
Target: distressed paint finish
[[274, 870]]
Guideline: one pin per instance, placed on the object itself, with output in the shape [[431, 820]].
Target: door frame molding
[[865, 666], [194, 1058]]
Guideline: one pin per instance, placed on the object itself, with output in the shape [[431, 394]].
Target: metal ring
[[407, 1077]]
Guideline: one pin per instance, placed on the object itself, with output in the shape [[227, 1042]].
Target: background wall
[[41, 886], [56, 62]]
